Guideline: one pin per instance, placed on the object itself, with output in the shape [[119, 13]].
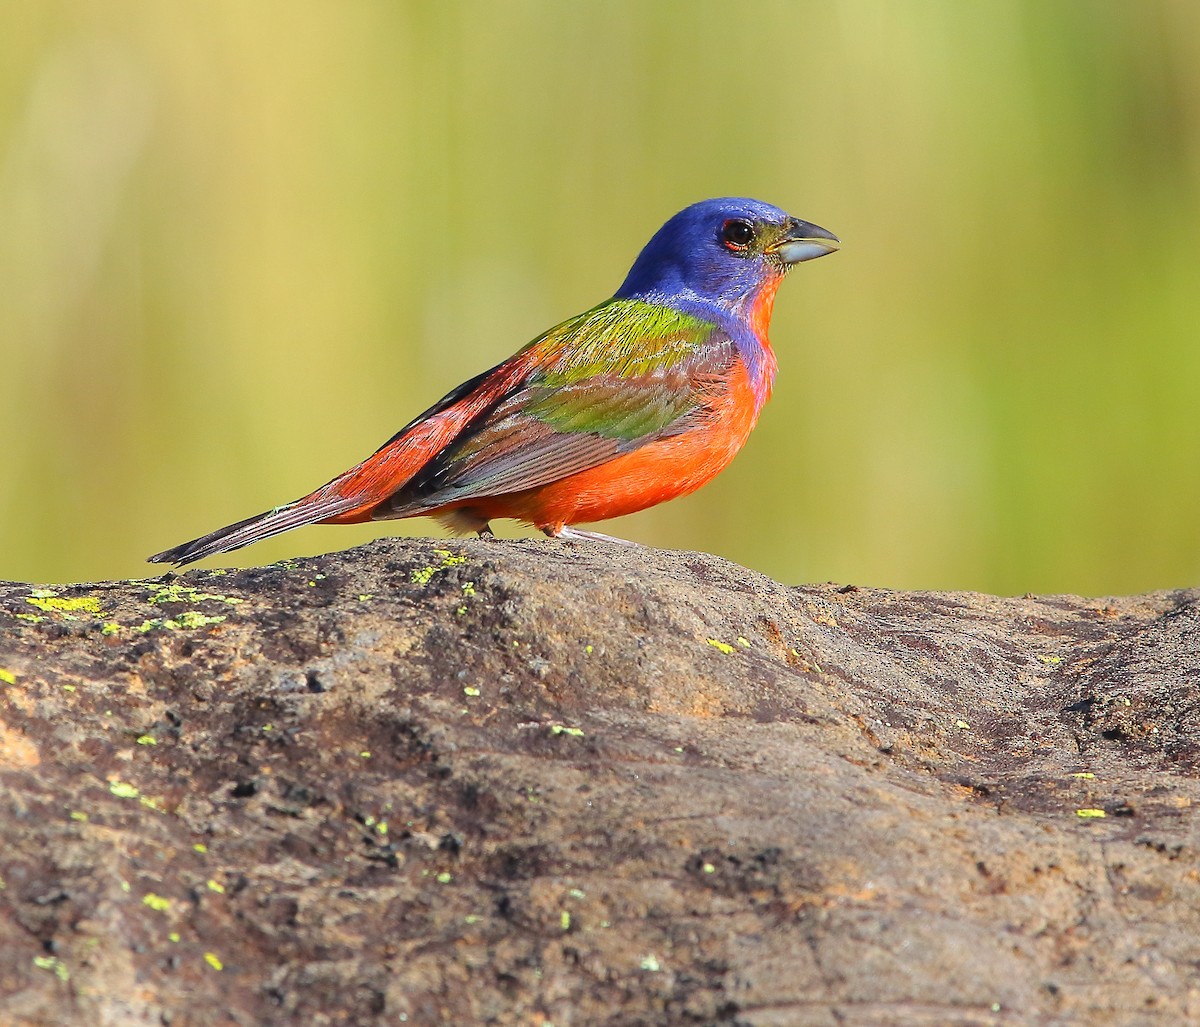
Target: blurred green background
[[242, 243]]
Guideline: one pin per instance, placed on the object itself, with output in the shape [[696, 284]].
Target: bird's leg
[[486, 532], [579, 535]]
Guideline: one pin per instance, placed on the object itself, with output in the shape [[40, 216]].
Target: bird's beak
[[802, 241]]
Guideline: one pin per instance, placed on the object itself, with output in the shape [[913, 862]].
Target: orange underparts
[[652, 474]]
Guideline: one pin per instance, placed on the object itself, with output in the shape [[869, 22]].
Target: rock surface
[[546, 783]]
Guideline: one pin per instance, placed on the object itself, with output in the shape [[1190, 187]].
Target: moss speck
[[56, 604], [55, 965], [189, 619], [176, 593], [562, 729]]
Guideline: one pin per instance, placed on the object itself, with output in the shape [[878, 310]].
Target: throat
[[760, 360]]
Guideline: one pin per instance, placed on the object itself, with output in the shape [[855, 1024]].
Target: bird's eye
[[737, 234]]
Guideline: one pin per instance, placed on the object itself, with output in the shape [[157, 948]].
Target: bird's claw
[[579, 535]]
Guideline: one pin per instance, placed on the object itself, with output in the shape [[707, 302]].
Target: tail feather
[[357, 494], [255, 529]]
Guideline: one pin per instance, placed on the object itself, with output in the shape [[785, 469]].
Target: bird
[[641, 399]]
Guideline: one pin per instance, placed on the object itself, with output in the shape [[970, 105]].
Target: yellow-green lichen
[[445, 877], [195, 619], [51, 603], [471, 691], [562, 729], [200, 847], [156, 902], [188, 620], [122, 790], [423, 575], [721, 647], [564, 920], [216, 886], [213, 960], [7, 676], [147, 740], [31, 618], [176, 593], [79, 815], [1087, 775], [110, 628], [55, 965], [1090, 814]]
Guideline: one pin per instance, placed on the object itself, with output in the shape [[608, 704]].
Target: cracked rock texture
[[545, 783]]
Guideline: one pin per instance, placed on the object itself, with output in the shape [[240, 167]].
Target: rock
[[546, 783]]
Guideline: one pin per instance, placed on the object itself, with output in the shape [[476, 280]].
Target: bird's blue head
[[721, 253]]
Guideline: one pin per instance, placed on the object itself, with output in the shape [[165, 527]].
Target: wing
[[623, 375]]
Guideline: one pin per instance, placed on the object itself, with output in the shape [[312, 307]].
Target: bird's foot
[[579, 535], [486, 532]]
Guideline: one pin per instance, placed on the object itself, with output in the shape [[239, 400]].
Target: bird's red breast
[[637, 480]]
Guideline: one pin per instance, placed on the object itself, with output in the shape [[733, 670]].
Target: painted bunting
[[639, 400]]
